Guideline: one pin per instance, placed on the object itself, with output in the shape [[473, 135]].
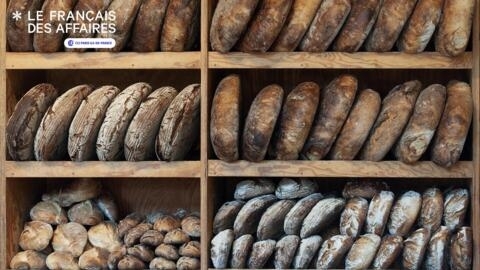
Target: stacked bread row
[[143, 25], [342, 25], [341, 124], [107, 123], [76, 228], [291, 225]]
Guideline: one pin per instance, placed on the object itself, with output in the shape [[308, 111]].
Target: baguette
[[295, 121], [18, 37], [25, 120], [332, 113], [357, 26], [181, 26], [325, 26], [391, 19], [140, 137], [454, 27], [84, 128], [229, 21], [356, 128], [225, 118], [420, 129], [265, 25], [454, 124], [180, 125], [396, 110], [297, 23], [419, 29], [125, 14], [148, 25], [260, 122], [117, 118], [45, 42], [51, 139]]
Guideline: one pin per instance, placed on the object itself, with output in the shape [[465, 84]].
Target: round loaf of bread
[[148, 25], [18, 37]]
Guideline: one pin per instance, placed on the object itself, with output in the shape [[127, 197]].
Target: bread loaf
[[268, 226], [125, 14], [362, 252], [294, 218], [148, 25], [325, 26], [91, 6], [357, 26], [357, 126], [225, 118], [265, 25], [414, 249], [117, 118], [140, 137], [70, 237], [241, 250], [353, 217], [363, 189], [390, 247], [461, 249], [333, 111], [52, 136], [18, 37], [249, 189], [454, 27], [404, 213], [396, 110], [247, 219], [295, 121], [420, 129], [297, 23], [455, 208], [378, 212], [221, 246], [181, 26], [437, 249], [180, 125], [454, 125], [261, 252], [322, 214], [45, 42], [419, 29], [333, 250], [393, 15], [307, 249], [295, 188], [229, 21], [432, 209], [226, 215], [285, 250], [82, 135], [25, 120], [59, 260], [260, 122]]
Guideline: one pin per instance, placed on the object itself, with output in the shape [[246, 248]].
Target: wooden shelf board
[[120, 169], [300, 168], [336, 60], [103, 60]]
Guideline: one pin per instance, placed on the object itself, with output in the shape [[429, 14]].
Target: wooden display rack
[[201, 185]]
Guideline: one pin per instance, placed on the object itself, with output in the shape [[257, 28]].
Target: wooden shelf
[[103, 60], [301, 168], [336, 60], [123, 169]]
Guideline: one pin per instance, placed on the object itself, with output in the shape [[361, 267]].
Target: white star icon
[[17, 15]]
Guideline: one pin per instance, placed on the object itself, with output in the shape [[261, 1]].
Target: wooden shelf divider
[[123, 169], [338, 60]]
